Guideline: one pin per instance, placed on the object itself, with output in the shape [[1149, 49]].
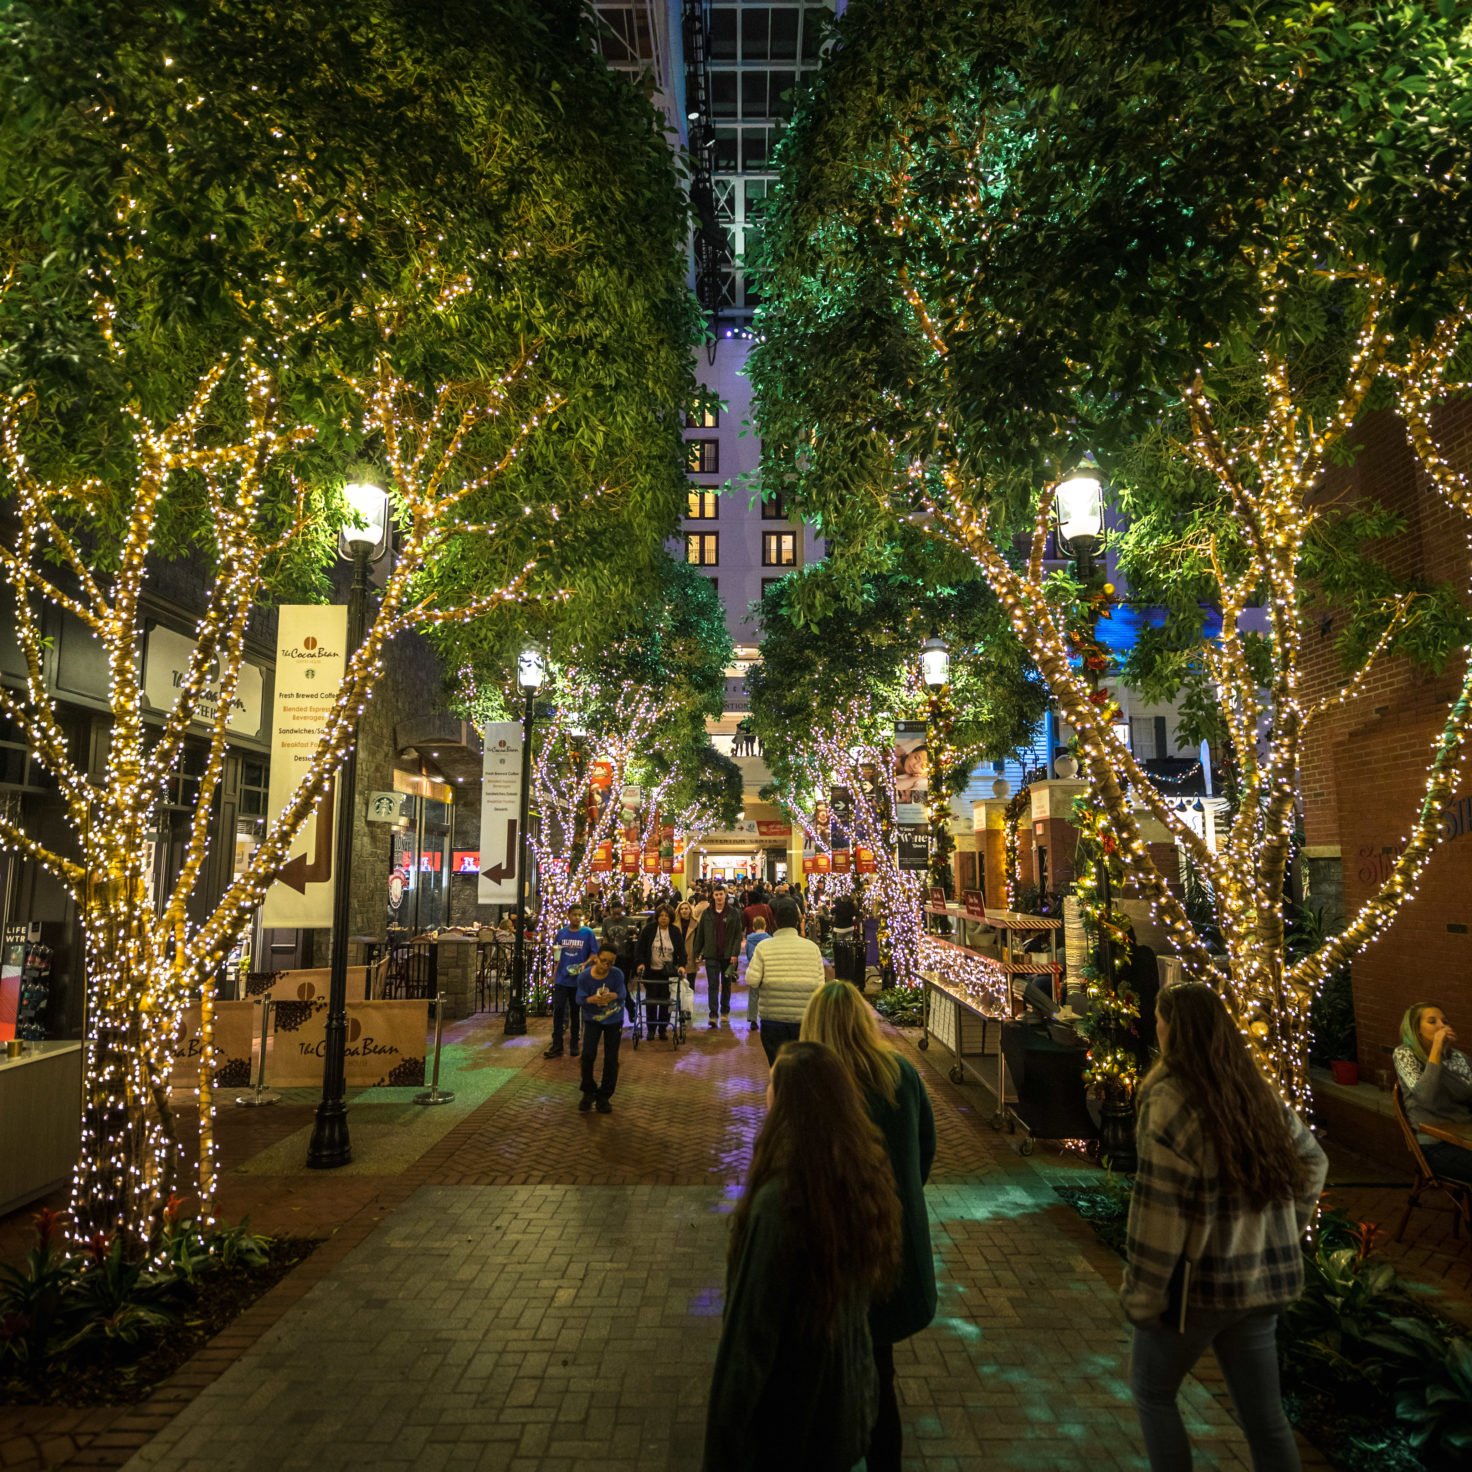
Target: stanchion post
[[434, 1094], [260, 1094]]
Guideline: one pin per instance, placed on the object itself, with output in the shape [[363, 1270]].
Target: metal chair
[[422, 972], [490, 974], [1459, 1192]]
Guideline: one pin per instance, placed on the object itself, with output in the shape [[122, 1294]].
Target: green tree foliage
[[468, 181], [1205, 243]]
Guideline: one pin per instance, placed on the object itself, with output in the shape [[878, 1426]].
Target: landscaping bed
[[91, 1328], [1376, 1381]]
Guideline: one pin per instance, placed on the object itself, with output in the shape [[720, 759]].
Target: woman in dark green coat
[[838, 1017], [815, 1242]]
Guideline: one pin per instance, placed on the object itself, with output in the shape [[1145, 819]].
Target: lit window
[[702, 505], [704, 419], [702, 549], [704, 457], [779, 549]]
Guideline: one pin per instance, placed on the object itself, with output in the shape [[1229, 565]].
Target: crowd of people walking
[[830, 1263]]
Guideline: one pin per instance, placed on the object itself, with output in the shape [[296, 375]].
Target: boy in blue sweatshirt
[[575, 945], [601, 996]]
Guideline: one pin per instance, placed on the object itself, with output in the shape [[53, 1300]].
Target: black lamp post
[[1079, 506], [531, 670], [361, 541]]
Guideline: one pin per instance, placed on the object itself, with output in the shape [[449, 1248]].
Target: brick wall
[[1365, 764]]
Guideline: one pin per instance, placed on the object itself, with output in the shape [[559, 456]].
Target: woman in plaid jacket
[[1228, 1181]]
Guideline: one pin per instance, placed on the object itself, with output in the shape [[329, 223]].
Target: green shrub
[[902, 1005]]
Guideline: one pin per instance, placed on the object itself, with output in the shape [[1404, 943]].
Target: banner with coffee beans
[[386, 1044], [235, 1026]]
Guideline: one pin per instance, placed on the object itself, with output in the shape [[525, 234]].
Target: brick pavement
[[430, 1330]]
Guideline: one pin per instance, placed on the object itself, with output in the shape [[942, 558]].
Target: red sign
[[975, 905], [815, 863], [840, 861], [600, 775], [651, 862], [465, 861], [603, 859], [629, 859], [771, 828], [863, 861], [937, 895]]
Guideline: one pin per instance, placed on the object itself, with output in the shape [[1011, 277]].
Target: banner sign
[[629, 859], [603, 858], [600, 775], [385, 1044], [311, 657], [863, 861], [771, 828], [914, 848], [815, 864], [651, 861], [501, 846], [235, 1030], [310, 983], [166, 657], [911, 762], [841, 861]]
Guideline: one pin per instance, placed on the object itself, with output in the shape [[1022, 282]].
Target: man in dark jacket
[[718, 940]]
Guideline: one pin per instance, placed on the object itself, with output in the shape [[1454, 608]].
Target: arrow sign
[[300, 871], [500, 872]]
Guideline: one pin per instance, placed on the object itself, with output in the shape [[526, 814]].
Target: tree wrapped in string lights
[[148, 956], [1273, 257]]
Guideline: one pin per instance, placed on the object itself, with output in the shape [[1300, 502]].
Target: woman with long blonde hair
[[814, 1240], [1228, 1181], [840, 1018]]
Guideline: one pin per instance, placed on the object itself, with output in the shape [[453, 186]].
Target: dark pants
[[1245, 1346], [718, 979], [1449, 1160], [611, 1034], [656, 990], [774, 1034], [565, 1007], [887, 1437]]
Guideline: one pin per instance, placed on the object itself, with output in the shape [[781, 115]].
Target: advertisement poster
[[385, 1044], [911, 762], [603, 858], [628, 862], [914, 848], [863, 861], [840, 857], [311, 644], [500, 804]]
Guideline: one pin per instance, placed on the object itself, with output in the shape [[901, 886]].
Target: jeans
[[886, 1440], [1244, 1342], [565, 1006], [774, 1034], [1449, 1160], [612, 1034], [718, 979]]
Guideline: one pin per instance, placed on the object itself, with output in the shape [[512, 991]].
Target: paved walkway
[[541, 1292]]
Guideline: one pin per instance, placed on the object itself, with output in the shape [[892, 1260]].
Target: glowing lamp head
[[366, 527], [531, 670], [1078, 504], [935, 662]]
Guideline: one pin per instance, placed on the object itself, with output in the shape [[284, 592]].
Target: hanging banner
[[863, 861], [385, 1044], [815, 864], [311, 658], [500, 802], [628, 862], [770, 828], [600, 776], [911, 762], [603, 858], [235, 1024], [914, 848], [841, 861]]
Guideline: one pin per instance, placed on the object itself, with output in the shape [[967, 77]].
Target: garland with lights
[[147, 959], [945, 763], [1114, 1010], [1012, 819]]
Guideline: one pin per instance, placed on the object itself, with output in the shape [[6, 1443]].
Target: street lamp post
[[365, 538], [935, 671], [531, 670], [1079, 506]]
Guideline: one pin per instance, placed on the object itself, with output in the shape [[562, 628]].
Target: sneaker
[[713, 1023], [604, 1107], [555, 1051], [585, 1103]]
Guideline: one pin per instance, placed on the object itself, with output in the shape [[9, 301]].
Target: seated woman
[[1436, 1083]]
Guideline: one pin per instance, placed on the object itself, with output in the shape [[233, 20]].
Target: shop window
[[254, 780], [779, 549], [702, 549]]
